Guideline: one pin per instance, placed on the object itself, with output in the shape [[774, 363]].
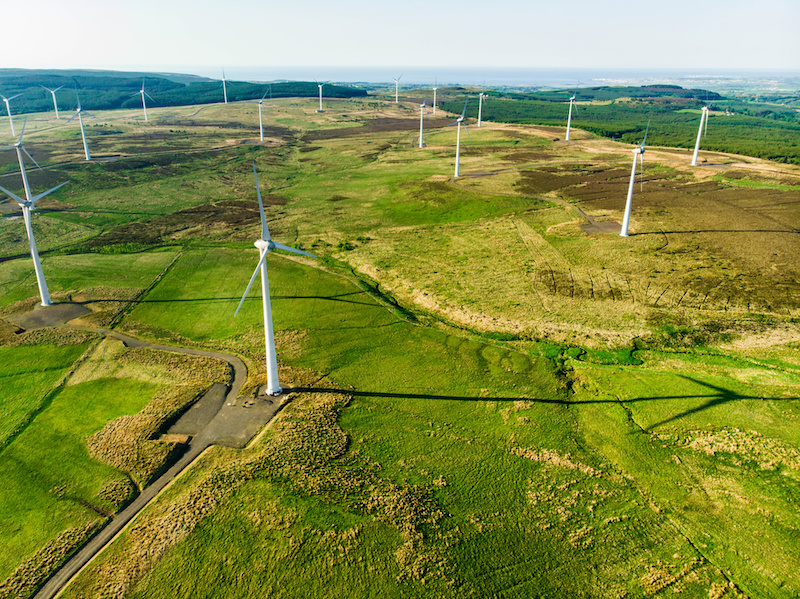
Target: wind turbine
[[422, 113], [458, 123], [265, 245], [143, 93], [27, 205], [569, 118], [8, 110], [700, 132], [260, 107], [397, 87], [319, 85], [638, 154], [53, 93], [481, 96], [224, 87], [79, 113], [435, 87]]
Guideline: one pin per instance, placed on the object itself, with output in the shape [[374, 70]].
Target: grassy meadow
[[494, 396]]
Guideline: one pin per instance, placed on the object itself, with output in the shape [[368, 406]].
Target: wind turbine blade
[[31, 157], [149, 96], [47, 88], [253, 278], [22, 133], [286, 248], [453, 123], [463, 112], [645, 133], [265, 94], [12, 97], [139, 93], [58, 88], [467, 130], [14, 196], [264, 228], [72, 117], [49, 191], [90, 114]]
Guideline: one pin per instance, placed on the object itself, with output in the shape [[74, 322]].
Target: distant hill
[[105, 90]]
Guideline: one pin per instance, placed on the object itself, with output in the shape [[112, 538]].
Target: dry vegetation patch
[[740, 446], [36, 568]]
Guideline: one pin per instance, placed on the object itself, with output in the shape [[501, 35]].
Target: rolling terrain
[[492, 393]]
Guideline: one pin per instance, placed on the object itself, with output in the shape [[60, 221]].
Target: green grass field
[[496, 401]]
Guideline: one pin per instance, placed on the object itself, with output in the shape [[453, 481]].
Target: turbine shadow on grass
[[332, 298], [721, 397], [790, 231]]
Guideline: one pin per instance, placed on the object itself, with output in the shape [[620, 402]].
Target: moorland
[[492, 393]]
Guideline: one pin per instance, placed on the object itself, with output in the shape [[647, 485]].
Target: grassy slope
[[27, 374], [48, 479], [507, 529]]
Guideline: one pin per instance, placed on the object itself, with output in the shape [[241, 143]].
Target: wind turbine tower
[[265, 245], [27, 205], [143, 93], [569, 118], [224, 87], [8, 110], [319, 85], [422, 113], [638, 155], [397, 88], [260, 118], [481, 96], [459, 122], [53, 93], [435, 87], [79, 113], [700, 133]]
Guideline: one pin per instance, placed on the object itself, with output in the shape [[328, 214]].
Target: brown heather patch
[[52, 336], [742, 446], [36, 568], [117, 491], [553, 458]]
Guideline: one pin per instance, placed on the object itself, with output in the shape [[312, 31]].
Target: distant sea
[[717, 80]]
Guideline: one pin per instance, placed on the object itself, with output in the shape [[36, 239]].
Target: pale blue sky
[[203, 35]]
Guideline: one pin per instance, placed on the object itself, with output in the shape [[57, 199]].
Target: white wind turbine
[[224, 87], [265, 245], [481, 96], [459, 122], [700, 133], [143, 93], [27, 205], [79, 113], [53, 93], [319, 85], [422, 113], [397, 88], [435, 87], [569, 118], [8, 110], [638, 154], [260, 107]]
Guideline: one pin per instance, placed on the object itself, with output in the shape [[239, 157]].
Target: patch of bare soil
[[48, 316]]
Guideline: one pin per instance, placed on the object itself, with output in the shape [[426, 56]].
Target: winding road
[[233, 426]]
